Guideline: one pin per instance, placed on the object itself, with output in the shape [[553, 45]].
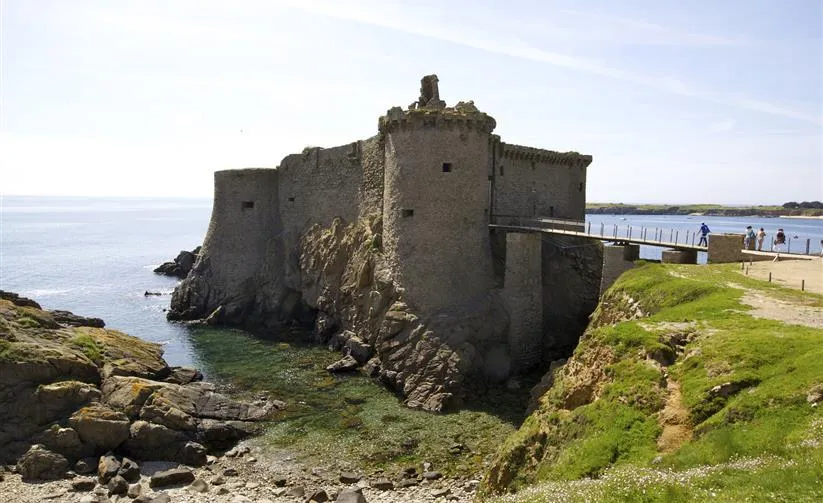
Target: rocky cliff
[[428, 360], [70, 390]]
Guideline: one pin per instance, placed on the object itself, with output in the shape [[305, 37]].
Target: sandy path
[[791, 273], [780, 310]]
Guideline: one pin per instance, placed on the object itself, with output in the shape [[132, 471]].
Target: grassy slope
[[699, 334]]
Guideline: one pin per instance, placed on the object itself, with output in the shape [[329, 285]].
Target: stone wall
[[679, 257], [530, 182], [372, 158], [316, 187], [617, 259], [523, 297], [725, 248], [435, 214], [572, 271]]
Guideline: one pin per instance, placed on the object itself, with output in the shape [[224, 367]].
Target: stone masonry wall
[[725, 248], [315, 187], [531, 182], [523, 298], [617, 259], [435, 222], [572, 271]]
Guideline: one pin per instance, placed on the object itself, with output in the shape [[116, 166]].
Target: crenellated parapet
[[463, 117], [520, 152]]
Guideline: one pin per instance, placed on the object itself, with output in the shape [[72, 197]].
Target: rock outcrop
[[428, 360], [181, 265], [68, 392]]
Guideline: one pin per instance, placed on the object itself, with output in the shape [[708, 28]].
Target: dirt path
[[674, 418], [791, 273], [780, 310]]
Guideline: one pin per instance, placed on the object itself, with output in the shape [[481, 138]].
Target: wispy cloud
[[509, 44], [615, 29]]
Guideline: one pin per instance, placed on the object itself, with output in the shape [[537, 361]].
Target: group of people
[[751, 237]]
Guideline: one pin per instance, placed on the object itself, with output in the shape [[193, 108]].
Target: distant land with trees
[[789, 209]]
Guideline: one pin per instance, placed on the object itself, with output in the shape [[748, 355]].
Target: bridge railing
[[684, 237], [539, 222]]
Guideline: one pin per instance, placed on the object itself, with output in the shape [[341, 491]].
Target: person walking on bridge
[[704, 232]]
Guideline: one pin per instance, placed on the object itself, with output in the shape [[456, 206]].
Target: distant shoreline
[[703, 210]]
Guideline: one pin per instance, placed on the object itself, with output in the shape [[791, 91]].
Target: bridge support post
[[679, 257], [617, 259], [523, 297], [725, 248]]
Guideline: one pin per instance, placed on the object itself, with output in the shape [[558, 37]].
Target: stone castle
[[385, 246]]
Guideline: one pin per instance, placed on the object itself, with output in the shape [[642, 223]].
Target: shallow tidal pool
[[351, 418]]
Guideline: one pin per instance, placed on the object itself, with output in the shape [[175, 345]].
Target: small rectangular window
[[501, 170], [291, 199], [247, 205], [447, 167], [406, 213]]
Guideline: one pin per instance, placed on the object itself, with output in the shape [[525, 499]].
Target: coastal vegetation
[[804, 209], [678, 391]]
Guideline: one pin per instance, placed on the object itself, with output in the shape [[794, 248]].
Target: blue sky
[[699, 101]]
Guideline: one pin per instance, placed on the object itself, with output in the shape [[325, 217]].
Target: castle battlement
[[397, 119], [520, 152]]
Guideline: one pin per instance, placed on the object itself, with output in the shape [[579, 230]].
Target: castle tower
[[436, 201], [241, 256]]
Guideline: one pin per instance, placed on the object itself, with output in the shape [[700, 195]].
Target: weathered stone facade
[[387, 241]]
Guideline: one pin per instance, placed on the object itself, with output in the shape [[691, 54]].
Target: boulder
[[319, 496], [349, 478], [128, 393], [192, 454], [85, 466], [129, 470], [359, 350], [107, 467], [40, 463], [175, 476], [345, 364], [183, 375], [223, 434], [118, 485], [100, 426], [18, 300], [182, 264], [73, 320], [65, 441], [58, 398], [382, 485], [199, 400], [351, 495], [83, 484], [153, 441]]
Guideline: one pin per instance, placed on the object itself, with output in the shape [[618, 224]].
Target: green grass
[[88, 347], [696, 323], [769, 479]]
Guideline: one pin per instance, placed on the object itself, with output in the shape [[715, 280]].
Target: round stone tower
[[436, 201], [238, 265]]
